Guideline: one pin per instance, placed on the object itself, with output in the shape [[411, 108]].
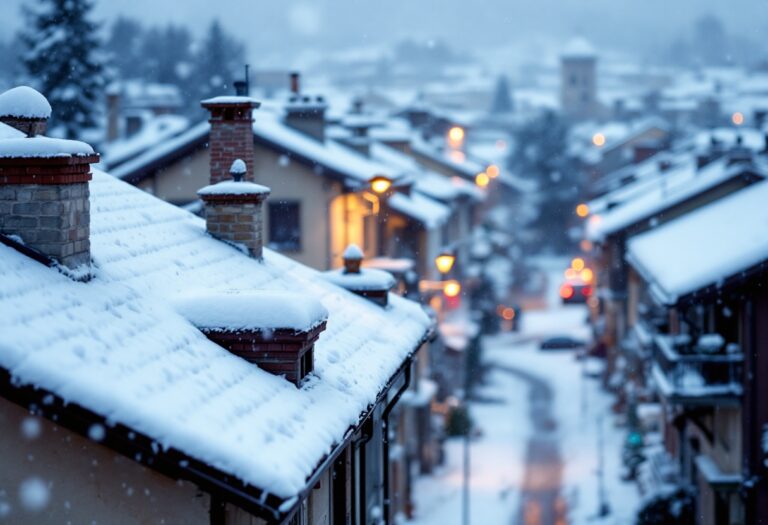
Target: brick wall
[[231, 137], [237, 222], [53, 219], [45, 202]]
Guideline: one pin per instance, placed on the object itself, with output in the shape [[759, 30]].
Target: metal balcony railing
[[687, 377]]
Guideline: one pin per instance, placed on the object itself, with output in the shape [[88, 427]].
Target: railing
[[696, 378]]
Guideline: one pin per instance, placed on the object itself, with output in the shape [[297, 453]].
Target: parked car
[[561, 342], [575, 291]]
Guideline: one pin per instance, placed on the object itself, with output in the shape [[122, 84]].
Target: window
[[285, 225]]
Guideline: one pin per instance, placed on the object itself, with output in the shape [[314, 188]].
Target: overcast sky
[[291, 26]]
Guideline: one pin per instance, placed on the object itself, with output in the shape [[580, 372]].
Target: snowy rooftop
[[704, 247], [667, 190], [231, 100], [578, 47], [116, 345], [24, 102], [428, 212]]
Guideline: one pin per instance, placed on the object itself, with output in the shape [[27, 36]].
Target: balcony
[[690, 378]]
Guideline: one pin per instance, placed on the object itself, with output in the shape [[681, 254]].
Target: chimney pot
[[25, 109]]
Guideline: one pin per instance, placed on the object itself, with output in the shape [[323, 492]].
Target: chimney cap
[[236, 311], [353, 252], [231, 189], [45, 148], [238, 170], [230, 101], [24, 102]]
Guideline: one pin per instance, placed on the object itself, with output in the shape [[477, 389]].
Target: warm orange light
[[598, 139], [492, 171], [380, 184], [585, 245], [582, 210], [456, 135], [570, 274], [587, 275], [508, 313], [444, 262], [566, 291], [482, 180], [737, 118], [452, 288], [577, 264]]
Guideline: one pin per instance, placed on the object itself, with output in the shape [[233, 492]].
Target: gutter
[[385, 438]]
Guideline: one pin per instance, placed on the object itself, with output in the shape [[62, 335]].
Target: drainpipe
[[385, 436], [359, 444]]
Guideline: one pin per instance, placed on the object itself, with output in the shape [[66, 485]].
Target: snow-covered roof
[[117, 347], [24, 102], [233, 99], [428, 182], [156, 130], [705, 246], [9, 132], [578, 47], [329, 153], [428, 212], [670, 188], [456, 160], [43, 147]]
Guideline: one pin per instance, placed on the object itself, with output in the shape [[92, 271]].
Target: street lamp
[[456, 136], [380, 184], [452, 288], [582, 210], [482, 179], [492, 171], [444, 262]]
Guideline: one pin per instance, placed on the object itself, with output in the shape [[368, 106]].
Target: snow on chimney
[[231, 134], [370, 283], [44, 195], [305, 113], [233, 210], [274, 330], [25, 109]]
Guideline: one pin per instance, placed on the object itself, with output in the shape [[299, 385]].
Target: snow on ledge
[[367, 280], [252, 311], [231, 100], [231, 187], [24, 102], [353, 252], [43, 147]]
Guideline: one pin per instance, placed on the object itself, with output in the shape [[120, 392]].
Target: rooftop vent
[[372, 284]]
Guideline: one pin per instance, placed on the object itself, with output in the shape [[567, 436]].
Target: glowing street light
[[587, 275], [582, 210], [444, 262], [738, 118], [380, 184], [482, 179], [456, 135], [578, 264], [598, 139], [452, 289], [492, 171]]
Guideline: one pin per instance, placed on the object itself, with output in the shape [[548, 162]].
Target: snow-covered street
[[544, 428]]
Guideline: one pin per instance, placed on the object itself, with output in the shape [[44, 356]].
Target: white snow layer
[[24, 102], [116, 346], [231, 187], [231, 100], [353, 251], [705, 246], [428, 212], [234, 311], [367, 280], [43, 147]]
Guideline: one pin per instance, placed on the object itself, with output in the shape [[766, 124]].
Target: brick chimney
[[233, 210], [305, 113], [231, 134], [370, 283], [246, 324], [44, 196], [25, 109]]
